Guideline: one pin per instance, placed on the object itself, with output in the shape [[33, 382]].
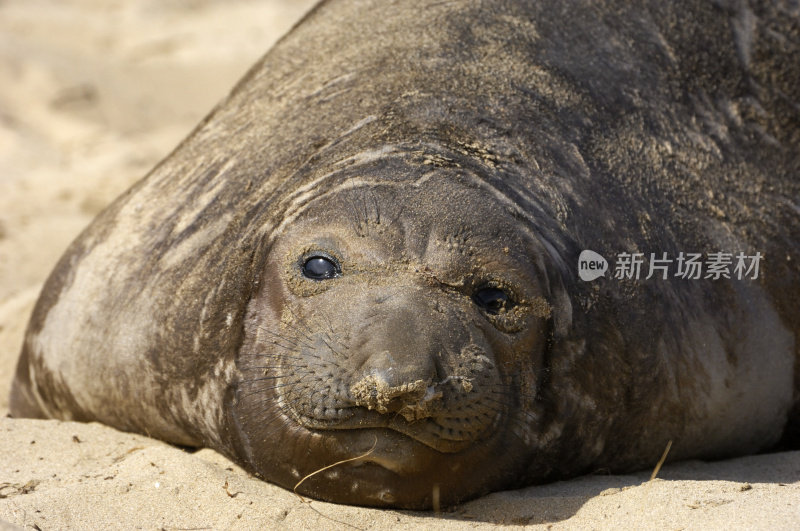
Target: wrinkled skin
[[368, 253]]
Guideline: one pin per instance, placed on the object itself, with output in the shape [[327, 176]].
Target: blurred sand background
[[92, 94]]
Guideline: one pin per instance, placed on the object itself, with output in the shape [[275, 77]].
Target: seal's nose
[[401, 370], [413, 400]]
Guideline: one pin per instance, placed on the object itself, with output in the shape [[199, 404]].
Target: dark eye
[[320, 268], [492, 300]]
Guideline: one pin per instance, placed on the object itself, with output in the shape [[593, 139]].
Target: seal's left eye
[[492, 300], [320, 268]]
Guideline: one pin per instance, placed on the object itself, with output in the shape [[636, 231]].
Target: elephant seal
[[368, 255]]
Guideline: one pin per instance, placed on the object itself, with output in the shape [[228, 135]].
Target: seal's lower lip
[[385, 448], [409, 432], [418, 431]]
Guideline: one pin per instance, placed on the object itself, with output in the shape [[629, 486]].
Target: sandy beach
[[93, 93]]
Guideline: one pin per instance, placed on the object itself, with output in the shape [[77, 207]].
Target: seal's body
[[371, 248]]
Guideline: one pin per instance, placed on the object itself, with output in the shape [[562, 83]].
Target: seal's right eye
[[493, 300], [320, 268]]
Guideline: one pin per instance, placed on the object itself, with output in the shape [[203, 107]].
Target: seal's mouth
[[447, 416], [389, 450], [446, 434], [396, 453]]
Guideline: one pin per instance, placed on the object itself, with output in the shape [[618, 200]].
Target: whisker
[[399, 213], [333, 349], [269, 387], [298, 342], [295, 326], [357, 224], [376, 204]]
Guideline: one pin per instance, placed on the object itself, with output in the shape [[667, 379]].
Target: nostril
[[413, 400], [439, 371]]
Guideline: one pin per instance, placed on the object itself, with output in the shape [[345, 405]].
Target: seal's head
[[405, 325]]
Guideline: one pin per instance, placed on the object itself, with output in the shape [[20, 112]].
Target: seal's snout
[[413, 400], [401, 364]]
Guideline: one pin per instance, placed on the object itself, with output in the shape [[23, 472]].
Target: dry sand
[[92, 94]]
